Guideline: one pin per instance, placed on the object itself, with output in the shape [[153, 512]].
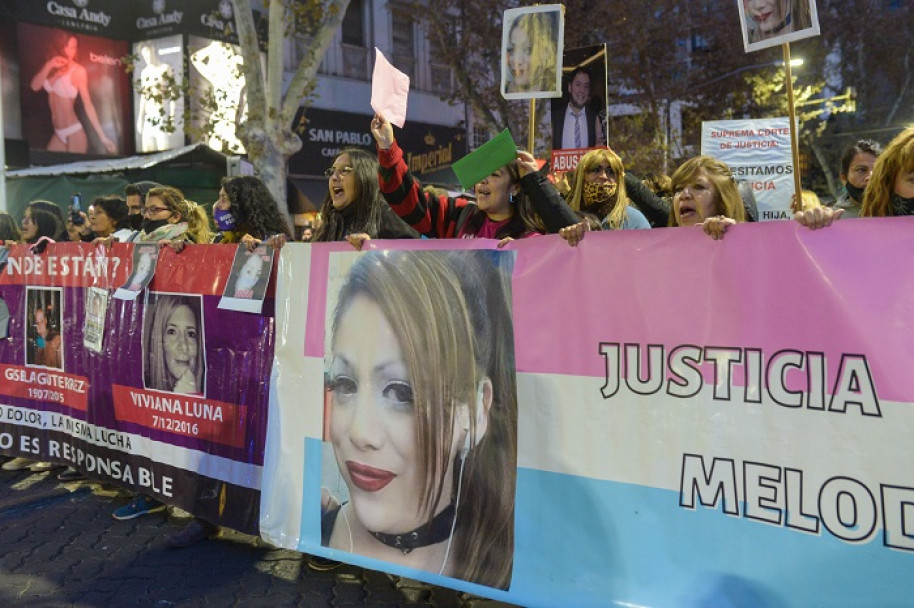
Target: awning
[[194, 153]]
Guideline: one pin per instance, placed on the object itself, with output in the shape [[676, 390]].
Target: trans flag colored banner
[[165, 394], [670, 421]]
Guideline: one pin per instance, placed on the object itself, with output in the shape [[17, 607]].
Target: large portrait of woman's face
[[420, 400], [173, 344], [532, 42]]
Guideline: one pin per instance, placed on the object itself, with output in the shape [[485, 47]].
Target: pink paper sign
[[389, 90]]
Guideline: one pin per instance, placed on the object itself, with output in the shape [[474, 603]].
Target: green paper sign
[[492, 155]]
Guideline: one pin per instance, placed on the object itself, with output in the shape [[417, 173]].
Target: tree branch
[[307, 69], [250, 50]]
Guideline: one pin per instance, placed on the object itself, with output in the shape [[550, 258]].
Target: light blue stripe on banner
[[583, 542], [310, 500], [587, 543]]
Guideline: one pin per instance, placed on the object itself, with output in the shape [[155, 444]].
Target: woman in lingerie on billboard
[[64, 78], [423, 414]]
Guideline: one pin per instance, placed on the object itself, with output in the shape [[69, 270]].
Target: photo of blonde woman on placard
[[767, 23], [532, 43]]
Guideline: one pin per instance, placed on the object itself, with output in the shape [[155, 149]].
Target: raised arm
[[432, 216], [38, 79], [546, 200]]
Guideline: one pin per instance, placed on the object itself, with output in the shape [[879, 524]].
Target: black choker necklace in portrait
[[431, 533]]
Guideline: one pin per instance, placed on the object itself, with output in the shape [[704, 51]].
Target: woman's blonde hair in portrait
[[197, 221], [541, 51], [897, 158], [611, 209], [158, 372], [727, 201], [451, 313]]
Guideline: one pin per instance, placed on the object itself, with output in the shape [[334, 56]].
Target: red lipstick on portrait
[[368, 479]]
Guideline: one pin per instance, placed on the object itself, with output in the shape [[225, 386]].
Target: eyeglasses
[[341, 170], [154, 210]]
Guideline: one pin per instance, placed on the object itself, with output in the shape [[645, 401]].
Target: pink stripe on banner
[[769, 286]]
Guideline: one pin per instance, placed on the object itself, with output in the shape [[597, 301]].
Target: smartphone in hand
[[75, 207]]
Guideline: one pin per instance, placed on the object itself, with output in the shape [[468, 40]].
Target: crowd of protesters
[[375, 196]]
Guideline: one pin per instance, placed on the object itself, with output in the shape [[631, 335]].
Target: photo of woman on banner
[[251, 280], [144, 267], [65, 80], [422, 407], [43, 327], [769, 23], [96, 310], [173, 344], [250, 273], [531, 51]]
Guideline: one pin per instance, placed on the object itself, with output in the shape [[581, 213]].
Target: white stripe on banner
[[644, 439], [216, 467]]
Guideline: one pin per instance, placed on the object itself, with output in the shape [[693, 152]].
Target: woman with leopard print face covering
[[598, 193]]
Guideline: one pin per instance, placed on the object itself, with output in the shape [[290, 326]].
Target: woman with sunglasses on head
[[515, 201]]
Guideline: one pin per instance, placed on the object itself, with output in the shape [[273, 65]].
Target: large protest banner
[[758, 152], [693, 427], [165, 394]]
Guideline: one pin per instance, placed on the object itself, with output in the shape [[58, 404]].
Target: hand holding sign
[[382, 131]]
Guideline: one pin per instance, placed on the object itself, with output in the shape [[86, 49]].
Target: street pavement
[[59, 546]]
